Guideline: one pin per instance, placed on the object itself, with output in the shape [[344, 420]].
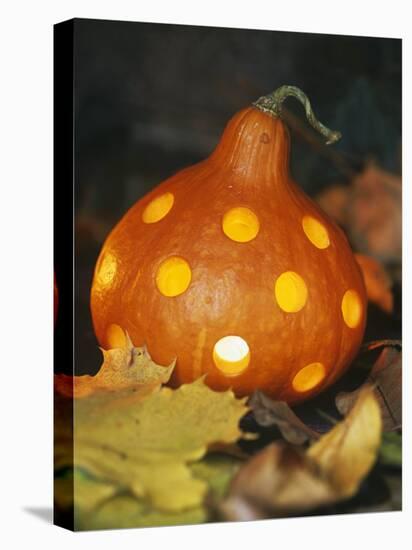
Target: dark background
[[153, 98]]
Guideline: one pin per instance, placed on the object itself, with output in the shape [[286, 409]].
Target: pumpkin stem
[[272, 104]]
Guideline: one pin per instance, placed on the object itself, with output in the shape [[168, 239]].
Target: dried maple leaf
[[377, 281], [122, 368], [145, 445], [374, 220], [268, 412], [334, 201], [386, 378], [283, 480], [370, 210]]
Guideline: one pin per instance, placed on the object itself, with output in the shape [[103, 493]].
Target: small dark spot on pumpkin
[[264, 138], [208, 300]]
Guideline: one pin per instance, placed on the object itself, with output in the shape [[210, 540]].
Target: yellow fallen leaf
[[126, 512], [145, 445], [347, 453], [122, 368], [98, 504], [283, 480], [90, 493]]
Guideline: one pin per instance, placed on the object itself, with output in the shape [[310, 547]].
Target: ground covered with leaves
[[132, 452]]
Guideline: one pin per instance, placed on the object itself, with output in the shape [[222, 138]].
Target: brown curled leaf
[[369, 346], [386, 378], [268, 412]]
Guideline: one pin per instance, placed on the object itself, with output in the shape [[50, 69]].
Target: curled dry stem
[[272, 104]]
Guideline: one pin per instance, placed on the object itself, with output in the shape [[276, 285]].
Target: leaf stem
[[272, 104]]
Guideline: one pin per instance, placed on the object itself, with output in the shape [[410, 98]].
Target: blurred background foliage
[[151, 99]]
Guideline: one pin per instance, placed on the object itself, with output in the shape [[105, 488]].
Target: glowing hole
[[291, 292], [316, 232], [158, 208], [240, 224], [173, 276], [351, 308], [115, 337], [309, 377], [106, 269], [231, 355]]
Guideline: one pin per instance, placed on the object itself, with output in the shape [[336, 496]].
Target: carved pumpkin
[[231, 268]]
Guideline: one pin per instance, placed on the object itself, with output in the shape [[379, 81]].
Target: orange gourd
[[230, 268]]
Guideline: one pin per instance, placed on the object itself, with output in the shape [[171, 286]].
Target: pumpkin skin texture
[[277, 288]]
